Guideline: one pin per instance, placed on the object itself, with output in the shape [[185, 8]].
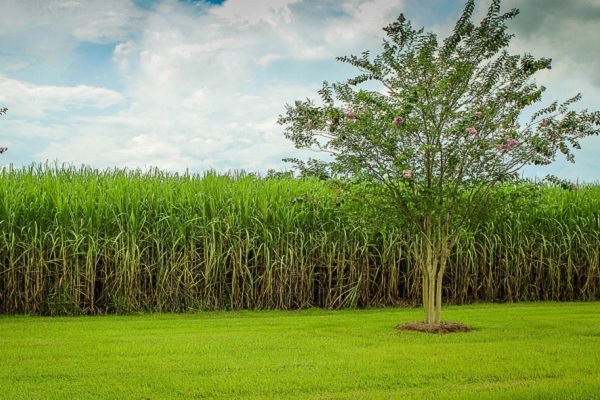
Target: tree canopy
[[445, 128]]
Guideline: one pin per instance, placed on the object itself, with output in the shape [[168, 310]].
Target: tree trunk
[[438, 296], [434, 255], [425, 290], [432, 307], [429, 280], [440, 277]]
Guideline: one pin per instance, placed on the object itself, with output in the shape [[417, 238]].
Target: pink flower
[[511, 143], [307, 125], [407, 173], [478, 113], [574, 186], [547, 161], [398, 120], [350, 115], [472, 131], [544, 122]]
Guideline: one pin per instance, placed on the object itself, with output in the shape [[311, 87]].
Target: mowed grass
[[526, 350]]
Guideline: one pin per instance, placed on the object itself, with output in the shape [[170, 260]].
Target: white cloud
[[243, 14], [37, 100], [94, 21], [203, 86]]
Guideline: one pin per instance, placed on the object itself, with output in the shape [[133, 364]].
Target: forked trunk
[[433, 295], [434, 255]]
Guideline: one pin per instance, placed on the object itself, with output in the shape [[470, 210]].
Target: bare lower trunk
[[433, 298], [428, 268], [438, 295], [432, 305], [425, 293], [433, 265]]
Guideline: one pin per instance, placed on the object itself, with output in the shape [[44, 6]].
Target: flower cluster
[[510, 144], [350, 115], [472, 131], [407, 173], [398, 120], [547, 161], [478, 113], [3, 149]]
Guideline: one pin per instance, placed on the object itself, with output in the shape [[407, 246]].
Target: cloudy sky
[[197, 85]]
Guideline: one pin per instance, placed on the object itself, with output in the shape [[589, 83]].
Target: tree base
[[439, 328]]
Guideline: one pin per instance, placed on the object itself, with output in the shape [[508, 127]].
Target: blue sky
[[194, 85]]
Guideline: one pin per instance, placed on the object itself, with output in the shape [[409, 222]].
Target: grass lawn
[[527, 350]]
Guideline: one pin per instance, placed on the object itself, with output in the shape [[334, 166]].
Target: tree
[[444, 129], [3, 149]]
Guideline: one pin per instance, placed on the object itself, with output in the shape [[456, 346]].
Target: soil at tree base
[[439, 328]]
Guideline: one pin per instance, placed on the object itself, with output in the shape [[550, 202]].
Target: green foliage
[[524, 351], [441, 132], [81, 241], [450, 116]]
